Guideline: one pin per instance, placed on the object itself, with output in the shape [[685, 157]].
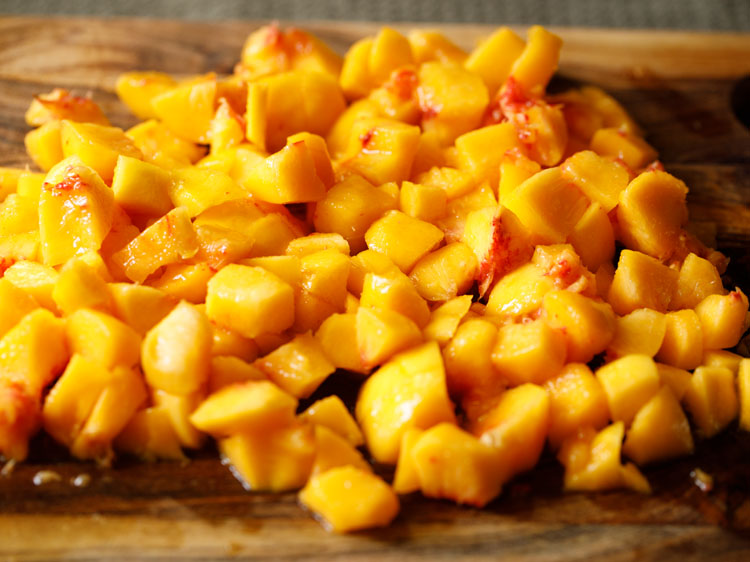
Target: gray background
[[726, 15]]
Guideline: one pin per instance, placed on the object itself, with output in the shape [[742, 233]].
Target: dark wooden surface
[[679, 86]]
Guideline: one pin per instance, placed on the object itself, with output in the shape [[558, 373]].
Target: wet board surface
[[687, 92]]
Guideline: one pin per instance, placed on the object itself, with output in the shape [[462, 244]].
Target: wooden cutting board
[[678, 86]]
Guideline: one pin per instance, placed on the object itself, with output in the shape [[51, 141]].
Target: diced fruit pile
[[504, 270]]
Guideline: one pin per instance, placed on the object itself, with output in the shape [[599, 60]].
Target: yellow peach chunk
[[381, 333], [408, 391], [332, 413], [445, 273], [659, 430], [529, 352], [576, 399], [250, 406], [711, 399], [683, 340], [350, 499], [150, 435], [723, 319], [250, 300], [176, 352], [276, 459], [103, 338], [641, 282], [332, 450], [628, 382], [298, 367], [639, 332]]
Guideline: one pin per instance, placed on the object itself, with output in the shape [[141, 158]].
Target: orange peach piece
[[601, 179], [179, 408], [628, 382], [36, 280], [651, 213], [332, 413], [139, 306], [115, 406], [141, 188], [723, 319], [176, 353], [520, 292], [349, 208], [275, 459], [258, 406], [537, 62], [381, 150], [408, 391], [453, 464], [395, 292], [298, 367], [698, 279], [75, 211], [660, 430], [639, 332], [103, 338], [137, 89], [482, 151], [15, 304], [423, 202], [592, 462], [516, 428], [250, 300], [678, 380], [229, 369], [150, 436], [350, 499], [381, 333], [61, 104], [494, 56], [548, 204], [332, 450], [588, 325], [337, 335], [445, 273], [683, 340], [44, 145], [316, 242], [161, 146], [529, 352], [711, 399], [324, 274], [593, 237], [432, 45], [623, 145], [79, 285], [406, 477], [171, 239], [195, 98], [97, 146], [576, 399], [445, 318], [468, 357], [386, 236], [452, 99], [641, 282]]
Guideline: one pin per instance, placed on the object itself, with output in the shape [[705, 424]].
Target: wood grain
[[677, 85]]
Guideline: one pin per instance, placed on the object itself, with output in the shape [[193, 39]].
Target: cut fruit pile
[[504, 270]]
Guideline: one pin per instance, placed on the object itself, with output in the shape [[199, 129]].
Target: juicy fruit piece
[[298, 367], [445, 319], [176, 352], [337, 335], [97, 146], [683, 340], [395, 292], [628, 147], [445, 273], [712, 399], [150, 436], [576, 399], [592, 462], [641, 282], [103, 338], [193, 98], [640, 332], [548, 205], [743, 384], [588, 325], [698, 279], [15, 304], [601, 179], [516, 428], [386, 236], [659, 430], [141, 188], [250, 300], [468, 358], [350, 499], [408, 391], [528, 352], [75, 211], [44, 145], [380, 333], [452, 463], [171, 239], [651, 213], [628, 383], [137, 89], [332, 450], [537, 62], [493, 57], [332, 413], [251, 406], [722, 319], [275, 461]]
